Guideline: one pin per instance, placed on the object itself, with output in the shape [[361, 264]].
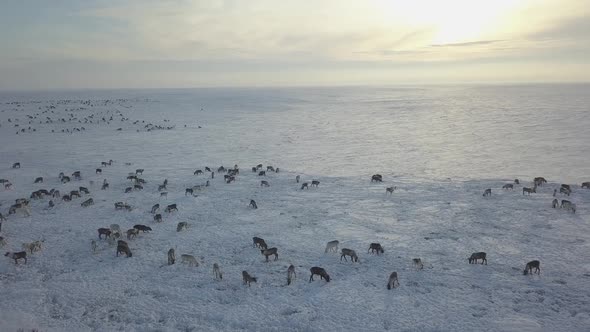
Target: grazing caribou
[[319, 271], [304, 185], [478, 255], [390, 190], [418, 263], [291, 274], [586, 185], [16, 165], [259, 243], [375, 247], [555, 203], [528, 269], [198, 172], [315, 183], [270, 252], [262, 173], [297, 178], [17, 255], [104, 231], [392, 280], [529, 190], [253, 204], [39, 180], [247, 279], [171, 207], [376, 178], [508, 186], [349, 252], [487, 192], [143, 228], [158, 218], [332, 246], [264, 183]]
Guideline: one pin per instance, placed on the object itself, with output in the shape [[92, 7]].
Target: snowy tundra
[[440, 148]]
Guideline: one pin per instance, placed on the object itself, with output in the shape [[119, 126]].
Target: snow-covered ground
[[441, 147]]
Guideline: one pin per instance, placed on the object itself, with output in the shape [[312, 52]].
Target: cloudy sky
[[144, 43]]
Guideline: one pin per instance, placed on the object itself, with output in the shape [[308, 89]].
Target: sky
[[174, 44]]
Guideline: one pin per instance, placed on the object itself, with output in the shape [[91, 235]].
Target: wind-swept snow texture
[[440, 146]]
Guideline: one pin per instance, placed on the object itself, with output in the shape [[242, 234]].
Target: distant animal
[[217, 271], [143, 228], [376, 178], [181, 225], [539, 181], [564, 191], [139, 171], [529, 190], [33, 246], [262, 173], [84, 190], [487, 192], [315, 183], [586, 185], [98, 171], [253, 204], [270, 168], [277, 170], [528, 269], [39, 180], [291, 274], [389, 190], [254, 170], [392, 280], [259, 166], [66, 198], [158, 218], [319, 271], [476, 256], [555, 203], [104, 231], [270, 252], [16, 165], [104, 186], [164, 194], [155, 208], [171, 207], [161, 187], [2, 218], [297, 178], [17, 255], [418, 263], [247, 279], [55, 194], [128, 190], [188, 191], [332, 246], [76, 175], [375, 247], [132, 233], [568, 205], [304, 185], [190, 259], [259, 243], [508, 186], [138, 187], [123, 247], [221, 169], [349, 252], [264, 183], [87, 202], [197, 172], [93, 245], [171, 257], [65, 179], [516, 181]]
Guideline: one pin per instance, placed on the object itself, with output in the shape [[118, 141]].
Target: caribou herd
[[113, 233]]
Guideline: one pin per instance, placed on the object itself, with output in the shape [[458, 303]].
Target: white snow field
[[440, 146]]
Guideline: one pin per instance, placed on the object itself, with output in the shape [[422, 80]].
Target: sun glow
[[453, 21]]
